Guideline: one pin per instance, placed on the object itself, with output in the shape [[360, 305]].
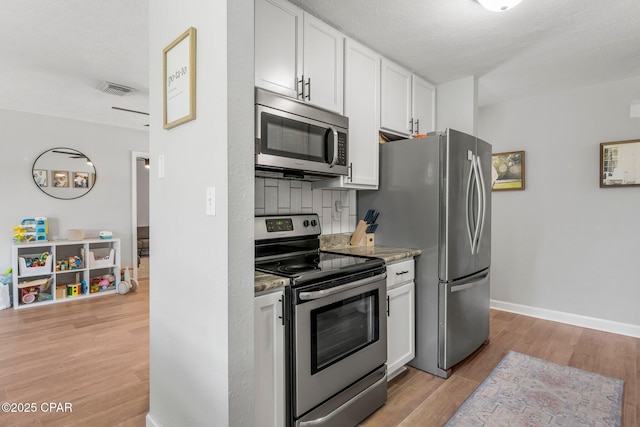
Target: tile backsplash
[[278, 196]]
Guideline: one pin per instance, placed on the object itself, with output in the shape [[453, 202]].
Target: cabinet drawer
[[400, 272]]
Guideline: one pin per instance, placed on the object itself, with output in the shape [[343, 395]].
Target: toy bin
[[101, 257], [34, 271]]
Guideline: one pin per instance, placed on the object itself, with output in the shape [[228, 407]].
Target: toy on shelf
[[71, 263], [39, 261], [31, 230], [20, 234]]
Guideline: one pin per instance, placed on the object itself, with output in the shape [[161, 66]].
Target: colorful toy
[[38, 261], [73, 289], [20, 234]]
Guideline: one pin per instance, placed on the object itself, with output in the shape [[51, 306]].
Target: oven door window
[[343, 328], [291, 138]]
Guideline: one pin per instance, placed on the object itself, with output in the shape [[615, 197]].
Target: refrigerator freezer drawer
[[463, 318]]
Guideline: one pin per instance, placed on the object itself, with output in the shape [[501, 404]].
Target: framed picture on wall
[[179, 72], [620, 164], [508, 171], [40, 176], [80, 180], [60, 179]]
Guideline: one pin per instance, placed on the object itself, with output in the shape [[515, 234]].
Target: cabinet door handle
[[411, 125], [281, 301], [417, 126], [301, 83], [400, 273], [388, 307], [350, 175], [308, 84]]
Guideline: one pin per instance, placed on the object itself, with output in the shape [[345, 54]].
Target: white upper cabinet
[[298, 55], [407, 101], [323, 67], [395, 113], [423, 99], [278, 46], [362, 106]]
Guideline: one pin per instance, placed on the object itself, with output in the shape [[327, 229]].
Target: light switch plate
[[211, 201]]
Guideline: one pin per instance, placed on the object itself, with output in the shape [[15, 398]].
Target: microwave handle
[[335, 146]]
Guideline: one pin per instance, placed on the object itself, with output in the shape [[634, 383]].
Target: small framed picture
[[40, 176], [179, 71], [508, 171], [61, 179], [80, 180]]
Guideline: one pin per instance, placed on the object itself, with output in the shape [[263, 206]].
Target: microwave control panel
[[342, 149]]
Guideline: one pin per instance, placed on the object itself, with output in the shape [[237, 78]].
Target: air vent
[[115, 89]]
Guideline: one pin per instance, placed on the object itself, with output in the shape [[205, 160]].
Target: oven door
[[340, 336], [286, 140]]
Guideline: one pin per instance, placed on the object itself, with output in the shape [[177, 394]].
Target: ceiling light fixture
[[499, 5]]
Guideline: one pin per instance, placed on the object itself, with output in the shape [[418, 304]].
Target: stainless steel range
[[336, 337]]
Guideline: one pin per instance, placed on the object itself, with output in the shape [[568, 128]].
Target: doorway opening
[[140, 242]]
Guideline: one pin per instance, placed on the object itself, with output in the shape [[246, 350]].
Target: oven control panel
[[277, 226]]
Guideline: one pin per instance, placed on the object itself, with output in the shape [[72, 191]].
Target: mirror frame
[[33, 168], [602, 178]]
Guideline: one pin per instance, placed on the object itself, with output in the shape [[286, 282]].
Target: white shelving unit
[[88, 262]]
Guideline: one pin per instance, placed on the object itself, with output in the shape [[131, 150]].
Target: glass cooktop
[[317, 264]]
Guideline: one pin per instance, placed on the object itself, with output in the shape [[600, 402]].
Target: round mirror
[[64, 173]]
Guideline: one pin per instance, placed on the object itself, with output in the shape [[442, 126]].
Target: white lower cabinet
[[400, 316], [269, 375]]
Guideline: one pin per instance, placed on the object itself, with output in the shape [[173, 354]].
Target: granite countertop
[[268, 282], [388, 254]]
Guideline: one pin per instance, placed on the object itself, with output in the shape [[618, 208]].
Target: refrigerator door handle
[[478, 213], [468, 205], [483, 192]]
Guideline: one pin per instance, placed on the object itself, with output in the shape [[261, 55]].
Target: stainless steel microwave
[[297, 140]]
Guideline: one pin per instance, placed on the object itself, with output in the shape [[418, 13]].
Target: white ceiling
[[55, 53]]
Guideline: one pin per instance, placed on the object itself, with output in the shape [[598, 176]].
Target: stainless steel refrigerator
[[435, 194]]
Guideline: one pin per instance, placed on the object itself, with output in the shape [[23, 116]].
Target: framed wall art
[[60, 179], [81, 180], [620, 164], [40, 176], [179, 71], [508, 171]]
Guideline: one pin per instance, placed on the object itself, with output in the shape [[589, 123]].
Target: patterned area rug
[[525, 391]]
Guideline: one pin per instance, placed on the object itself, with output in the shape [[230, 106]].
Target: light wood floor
[[416, 398], [93, 354]]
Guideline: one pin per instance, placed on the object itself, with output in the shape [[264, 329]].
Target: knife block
[[368, 240], [357, 235]]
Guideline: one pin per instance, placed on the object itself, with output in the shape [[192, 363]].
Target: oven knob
[[314, 222], [305, 222]]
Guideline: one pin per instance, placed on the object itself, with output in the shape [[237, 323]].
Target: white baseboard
[[150, 421], [571, 319]]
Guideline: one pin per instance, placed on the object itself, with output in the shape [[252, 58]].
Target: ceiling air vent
[[115, 89]]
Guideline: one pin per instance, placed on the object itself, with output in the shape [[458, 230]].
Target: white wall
[[456, 105], [279, 196], [106, 207], [564, 244], [201, 300]]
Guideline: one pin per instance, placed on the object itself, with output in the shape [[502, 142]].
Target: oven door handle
[[309, 296]]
